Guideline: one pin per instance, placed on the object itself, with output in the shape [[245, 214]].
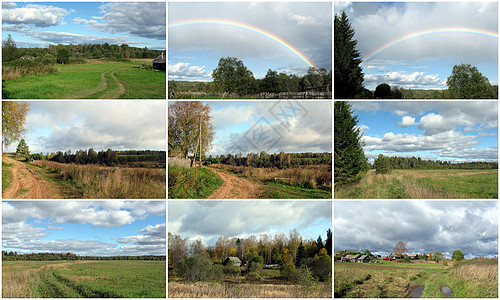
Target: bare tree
[[400, 248]]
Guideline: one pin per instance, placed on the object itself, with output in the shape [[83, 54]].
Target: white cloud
[[33, 14], [183, 70], [413, 80], [407, 121], [301, 20]]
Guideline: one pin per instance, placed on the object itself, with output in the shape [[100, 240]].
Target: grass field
[[193, 183], [476, 278], [424, 184], [6, 175], [90, 81], [83, 279]]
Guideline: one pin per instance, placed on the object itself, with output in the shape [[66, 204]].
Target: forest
[[46, 256], [407, 163], [280, 160]]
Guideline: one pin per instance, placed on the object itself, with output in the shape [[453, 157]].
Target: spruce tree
[[348, 72], [349, 157], [381, 165]]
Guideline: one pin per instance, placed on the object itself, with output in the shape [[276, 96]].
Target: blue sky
[[455, 131], [424, 62], [209, 220], [38, 24], [194, 51], [425, 226], [53, 126], [103, 228], [271, 126]]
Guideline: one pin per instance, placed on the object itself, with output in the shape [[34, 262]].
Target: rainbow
[[490, 34], [247, 28]]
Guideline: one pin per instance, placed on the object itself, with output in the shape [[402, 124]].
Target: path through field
[[110, 88], [26, 183], [235, 187]]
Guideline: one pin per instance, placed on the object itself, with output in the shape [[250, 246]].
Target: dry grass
[[476, 278], [97, 182], [19, 285], [14, 72]]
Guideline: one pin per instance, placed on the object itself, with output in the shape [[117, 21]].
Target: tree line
[[47, 256], [280, 160]]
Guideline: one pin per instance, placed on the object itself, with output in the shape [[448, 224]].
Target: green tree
[[22, 148], [13, 119], [457, 255], [381, 165], [382, 91], [62, 56], [466, 82], [437, 256], [9, 49], [348, 72], [349, 158], [271, 83], [198, 268], [231, 72]]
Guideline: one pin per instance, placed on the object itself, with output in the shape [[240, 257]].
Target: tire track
[[235, 187]]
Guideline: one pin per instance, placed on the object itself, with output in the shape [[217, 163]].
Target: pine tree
[[348, 72], [349, 157], [381, 165]]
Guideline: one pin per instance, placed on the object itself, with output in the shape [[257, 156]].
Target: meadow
[[83, 279], [91, 80], [192, 183], [476, 278], [424, 184]]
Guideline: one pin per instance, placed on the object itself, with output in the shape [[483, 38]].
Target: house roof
[[352, 256], [363, 256], [161, 59], [234, 258]]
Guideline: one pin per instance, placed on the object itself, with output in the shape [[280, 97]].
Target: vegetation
[[280, 160], [466, 82], [83, 279], [191, 183], [44, 256], [416, 163], [350, 160], [457, 255], [382, 165], [6, 175], [13, 119], [22, 148]]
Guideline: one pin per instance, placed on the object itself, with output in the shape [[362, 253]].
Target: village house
[[235, 261], [364, 259], [160, 63], [351, 258]]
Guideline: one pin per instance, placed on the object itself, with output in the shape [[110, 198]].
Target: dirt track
[[235, 187], [26, 183]]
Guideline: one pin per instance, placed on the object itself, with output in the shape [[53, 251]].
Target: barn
[[160, 63]]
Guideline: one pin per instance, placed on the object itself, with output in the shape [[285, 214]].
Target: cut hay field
[[83, 279], [93, 80], [424, 184], [466, 279]]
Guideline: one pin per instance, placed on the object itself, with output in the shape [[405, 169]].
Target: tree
[[400, 248], [13, 119], [9, 49], [231, 72], [438, 256], [184, 119], [382, 165], [457, 255], [348, 72], [62, 56], [466, 82], [22, 148], [271, 83], [382, 91], [350, 159]]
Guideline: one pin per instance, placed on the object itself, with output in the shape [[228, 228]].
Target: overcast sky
[[454, 131], [195, 50], [271, 126], [139, 24], [103, 228], [427, 61], [208, 220], [73, 125], [425, 226]]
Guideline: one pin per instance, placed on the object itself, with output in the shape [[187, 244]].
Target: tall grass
[[193, 183], [98, 182], [475, 278]]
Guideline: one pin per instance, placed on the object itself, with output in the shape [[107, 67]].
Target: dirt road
[[235, 187], [26, 183]]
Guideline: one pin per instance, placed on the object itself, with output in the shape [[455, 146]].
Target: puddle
[[445, 273], [447, 291], [417, 292]]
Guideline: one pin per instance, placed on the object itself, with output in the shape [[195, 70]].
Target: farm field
[[94, 80], [83, 279], [424, 184], [467, 279]]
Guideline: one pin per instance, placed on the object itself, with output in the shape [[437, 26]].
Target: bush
[[198, 268], [62, 56], [288, 271], [253, 276], [322, 267]]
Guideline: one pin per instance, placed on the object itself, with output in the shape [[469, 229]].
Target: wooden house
[[351, 258], [232, 260], [364, 259], [160, 63]]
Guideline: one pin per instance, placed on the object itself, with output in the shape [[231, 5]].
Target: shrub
[[62, 56], [288, 271], [198, 268], [254, 276], [322, 267]]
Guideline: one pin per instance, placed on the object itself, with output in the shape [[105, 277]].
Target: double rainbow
[[244, 27], [486, 33]]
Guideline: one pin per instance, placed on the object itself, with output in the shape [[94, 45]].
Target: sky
[[455, 131], [38, 24], [53, 126], [271, 126], [424, 62], [97, 228], [195, 50], [208, 220], [425, 226]]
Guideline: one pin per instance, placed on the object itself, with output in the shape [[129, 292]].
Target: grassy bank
[[6, 175], [97, 182], [424, 184], [192, 183]]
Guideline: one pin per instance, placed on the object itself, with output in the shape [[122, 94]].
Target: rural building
[[351, 258], [351, 251], [413, 255], [364, 259], [160, 63], [235, 261], [422, 255]]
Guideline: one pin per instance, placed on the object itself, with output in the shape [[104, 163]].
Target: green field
[[193, 183], [466, 279], [6, 175], [424, 184], [104, 80], [84, 279]]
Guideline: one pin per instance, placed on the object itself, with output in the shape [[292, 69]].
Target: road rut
[[235, 187]]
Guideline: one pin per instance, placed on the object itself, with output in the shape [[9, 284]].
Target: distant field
[[106, 80], [83, 279], [424, 184], [467, 279]]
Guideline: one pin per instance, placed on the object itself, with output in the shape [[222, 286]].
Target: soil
[[235, 187], [26, 183]]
